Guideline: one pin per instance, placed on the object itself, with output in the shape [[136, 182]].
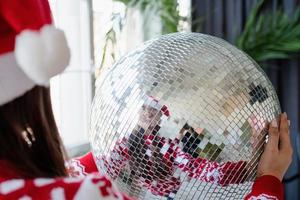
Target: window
[[117, 29], [86, 23], [71, 91]]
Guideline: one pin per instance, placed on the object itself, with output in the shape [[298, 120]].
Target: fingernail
[[289, 122], [274, 123], [284, 115]]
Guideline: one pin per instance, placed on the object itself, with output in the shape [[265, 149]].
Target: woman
[[31, 52], [31, 155]]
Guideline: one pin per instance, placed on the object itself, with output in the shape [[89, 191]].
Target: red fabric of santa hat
[[32, 50]]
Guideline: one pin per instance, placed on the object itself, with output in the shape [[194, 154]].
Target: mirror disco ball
[[182, 117]]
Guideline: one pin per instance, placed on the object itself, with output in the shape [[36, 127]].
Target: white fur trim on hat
[[42, 55], [13, 81]]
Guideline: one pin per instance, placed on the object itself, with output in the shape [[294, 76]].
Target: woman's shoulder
[[84, 183], [92, 186], [8, 171]]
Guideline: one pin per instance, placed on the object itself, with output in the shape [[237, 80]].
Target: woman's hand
[[277, 155]]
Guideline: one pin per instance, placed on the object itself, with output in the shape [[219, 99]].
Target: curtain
[[226, 19]]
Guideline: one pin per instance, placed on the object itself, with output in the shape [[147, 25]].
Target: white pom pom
[[42, 55]]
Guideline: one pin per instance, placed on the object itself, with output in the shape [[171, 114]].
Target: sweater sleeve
[[88, 162], [82, 166], [112, 164], [266, 187]]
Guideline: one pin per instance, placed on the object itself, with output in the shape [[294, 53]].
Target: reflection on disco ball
[[182, 117]]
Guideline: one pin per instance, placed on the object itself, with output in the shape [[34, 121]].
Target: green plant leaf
[[270, 35]]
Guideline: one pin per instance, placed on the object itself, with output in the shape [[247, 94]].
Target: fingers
[[273, 135], [284, 137], [284, 123]]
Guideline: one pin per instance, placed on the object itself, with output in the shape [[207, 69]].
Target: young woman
[[32, 158], [31, 52]]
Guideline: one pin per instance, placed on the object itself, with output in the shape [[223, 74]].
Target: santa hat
[[32, 50]]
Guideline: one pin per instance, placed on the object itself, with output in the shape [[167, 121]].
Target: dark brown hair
[[45, 157]]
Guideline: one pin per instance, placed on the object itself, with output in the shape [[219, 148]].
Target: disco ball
[[182, 117]]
